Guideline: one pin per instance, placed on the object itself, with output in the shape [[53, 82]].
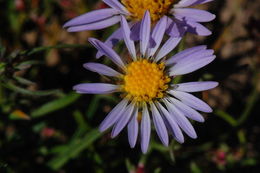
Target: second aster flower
[[145, 84], [180, 18]]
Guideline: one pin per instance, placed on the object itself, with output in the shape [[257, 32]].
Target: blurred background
[[46, 127]]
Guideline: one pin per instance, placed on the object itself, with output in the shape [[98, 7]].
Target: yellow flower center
[[145, 80], [157, 8]]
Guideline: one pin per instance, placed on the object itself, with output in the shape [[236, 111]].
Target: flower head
[[145, 82], [156, 8], [180, 19]]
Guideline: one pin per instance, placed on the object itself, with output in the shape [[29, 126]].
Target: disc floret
[[145, 81], [157, 8]]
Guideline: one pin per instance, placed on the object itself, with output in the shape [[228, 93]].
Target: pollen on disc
[[145, 80], [157, 8]]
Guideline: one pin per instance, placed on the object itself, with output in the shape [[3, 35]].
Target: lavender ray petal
[[124, 119], [174, 128], [159, 125], [198, 54], [115, 4], [191, 101], [112, 40], [181, 120], [145, 33], [168, 46], [110, 53], [132, 128], [101, 69], [193, 14], [135, 31], [145, 130], [198, 50], [126, 35], [195, 86], [189, 65], [187, 111], [95, 25], [186, 3], [91, 17], [174, 28], [113, 116], [157, 35], [96, 88], [197, 28], [201, 2]]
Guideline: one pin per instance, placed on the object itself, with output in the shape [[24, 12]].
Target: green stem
[[61, 46], [249, 105]]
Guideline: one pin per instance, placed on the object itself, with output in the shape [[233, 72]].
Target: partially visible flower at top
[[145, 83], [179, 18]]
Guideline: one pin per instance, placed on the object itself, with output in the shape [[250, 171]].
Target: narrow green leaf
[[225, 116], [241, 136], [27, 64], [23, 80], [29, 92], [79, 118], [251, 102], [74, 149], [46, 48], [55, 105]]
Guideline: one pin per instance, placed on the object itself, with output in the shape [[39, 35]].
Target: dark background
[[46, 127]]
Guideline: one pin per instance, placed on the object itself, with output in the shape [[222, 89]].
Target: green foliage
[[55, 105], [72, 149]]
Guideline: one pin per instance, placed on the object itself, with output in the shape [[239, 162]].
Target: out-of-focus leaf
[[32, 93], [43, 150], [97, 158], [129, 165], [46, 48], [23, 80], [250, 162], [207, 76], [80, 120], [252, 100], [27, 64], [2, 51], [157, 170], [38, 127], [55, 105], [241, 136], [19, 115], [194, 168], [13, 18], [2, 97], [171, 151], [158, 147], [93, 106], [177, 79], [73, 149], [225, 116], [2, 67]]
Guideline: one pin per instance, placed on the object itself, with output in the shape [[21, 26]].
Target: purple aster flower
[[180, 18], [145, 82]]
